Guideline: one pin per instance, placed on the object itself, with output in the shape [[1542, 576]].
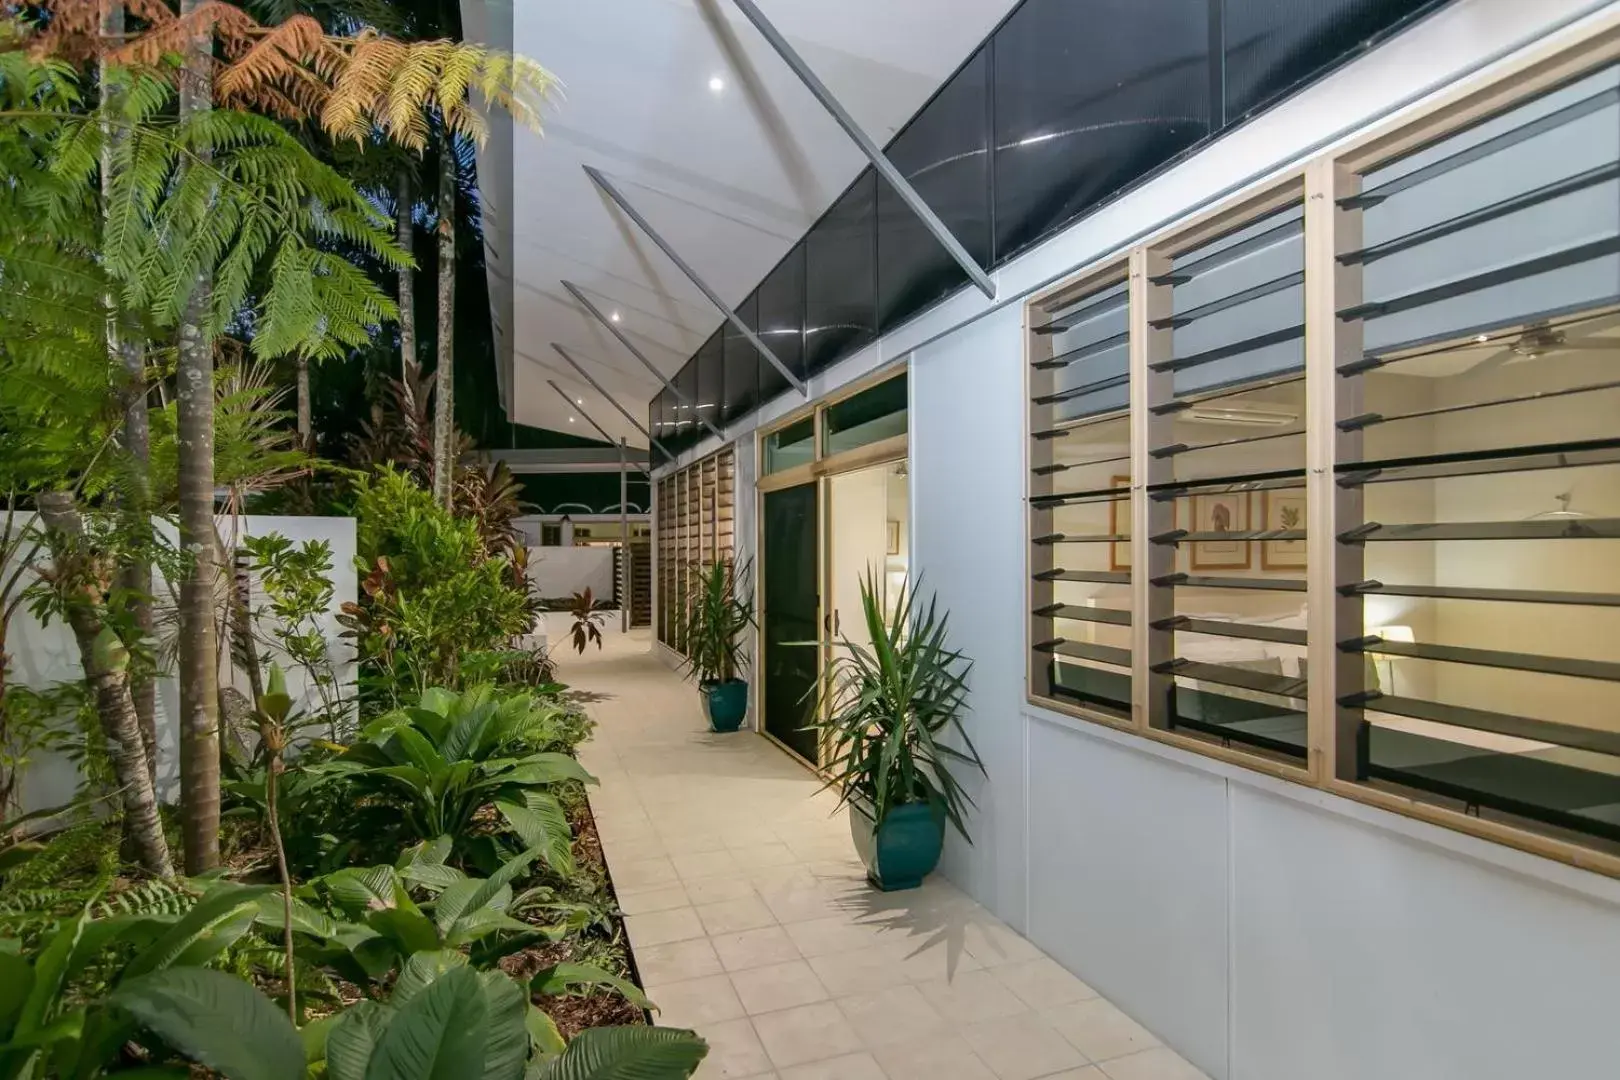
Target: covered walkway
[[752, 924]]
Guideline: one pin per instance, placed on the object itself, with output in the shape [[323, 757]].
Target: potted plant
[[890, 707], [717, 612]]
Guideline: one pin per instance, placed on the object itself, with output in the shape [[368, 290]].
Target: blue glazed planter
[[902, 850], [727, 704]]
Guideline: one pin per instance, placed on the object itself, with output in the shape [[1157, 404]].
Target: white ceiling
[[732, 178]]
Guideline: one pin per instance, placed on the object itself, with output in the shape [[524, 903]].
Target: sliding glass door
[[790, 628]]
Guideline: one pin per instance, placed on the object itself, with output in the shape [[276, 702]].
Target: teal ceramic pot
[[901, 851], [727, 704]]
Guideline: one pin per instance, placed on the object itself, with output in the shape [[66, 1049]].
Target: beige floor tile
[[646, 901], [713, 890], [1043, 983], [807, 1033], [993, 942], [631, 851], [971, 997], [852, 1067], [922, 961], [1156, 1064], [754, 948], [778, 986], [696, 1003], [735, 1052], [858, 972], [1099, 1030], [693, 843], [705, 864], [643, 873], [801, 901], [663, 927], [833, 934], [898, 1014], [677, 961], [743, 836], [1090, 1072], [732, 916], [764, 856], [947, 1058], [1021, 1047]]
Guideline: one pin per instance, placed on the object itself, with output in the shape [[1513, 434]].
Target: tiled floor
[[751, 921]]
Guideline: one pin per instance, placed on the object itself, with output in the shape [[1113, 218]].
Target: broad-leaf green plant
[[435, 765], [892, 711]]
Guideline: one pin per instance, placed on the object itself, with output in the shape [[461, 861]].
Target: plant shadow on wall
[[718, 611], [890, 712]]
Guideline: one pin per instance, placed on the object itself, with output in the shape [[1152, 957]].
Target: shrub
[[431, 595]]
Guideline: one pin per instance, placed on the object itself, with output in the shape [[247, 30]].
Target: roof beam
[[645, 226], [879, 160], [611, 400], [596, 312], [572, 404]]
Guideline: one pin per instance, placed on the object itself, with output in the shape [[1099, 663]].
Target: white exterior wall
[[1265, 930], [43, 656]]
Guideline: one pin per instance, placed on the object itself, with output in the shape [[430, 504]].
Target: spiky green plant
[[717, 613], [892, 711]]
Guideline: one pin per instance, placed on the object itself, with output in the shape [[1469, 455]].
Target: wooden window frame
[[1329, 288]]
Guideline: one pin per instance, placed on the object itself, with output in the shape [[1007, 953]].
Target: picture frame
[[1226, 512], [1119, 552], [894, 538], [1280, 511], [1119, 522]]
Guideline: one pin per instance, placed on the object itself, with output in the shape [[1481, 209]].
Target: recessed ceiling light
[[717, 84], [579, 401], [570, 419], [614, 316]]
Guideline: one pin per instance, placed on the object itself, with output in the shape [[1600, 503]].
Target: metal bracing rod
[[692, 275], [596, 312], [574, 405], [879, 160], [611, 400], [626, 578]]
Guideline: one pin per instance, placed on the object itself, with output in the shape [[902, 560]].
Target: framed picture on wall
[[1225, 513], [894, 538], [1282, 511], [1119, 524]]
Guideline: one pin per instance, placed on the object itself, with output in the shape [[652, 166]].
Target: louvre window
[[1225, 415], [1479, 464], [1080, 495], [696, 526], [1326, 481]]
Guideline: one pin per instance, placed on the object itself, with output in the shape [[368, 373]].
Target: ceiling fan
[[1538, 339]]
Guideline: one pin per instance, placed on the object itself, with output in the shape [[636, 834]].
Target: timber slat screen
[[1326, 482], [696, 525]]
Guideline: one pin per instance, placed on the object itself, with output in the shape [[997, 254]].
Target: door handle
[[837, 623]]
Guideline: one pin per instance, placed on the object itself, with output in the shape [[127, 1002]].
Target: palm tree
[[199, 635]]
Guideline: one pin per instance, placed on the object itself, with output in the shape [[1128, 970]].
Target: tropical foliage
[[892, 711], [719, 609]]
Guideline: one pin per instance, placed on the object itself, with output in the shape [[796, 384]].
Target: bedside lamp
[[1401, 634]]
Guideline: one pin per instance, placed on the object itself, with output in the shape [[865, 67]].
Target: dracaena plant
[[717, 613], [892, 711]]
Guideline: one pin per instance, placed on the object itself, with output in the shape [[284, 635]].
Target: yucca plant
[[718, 612], [892, 712]]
